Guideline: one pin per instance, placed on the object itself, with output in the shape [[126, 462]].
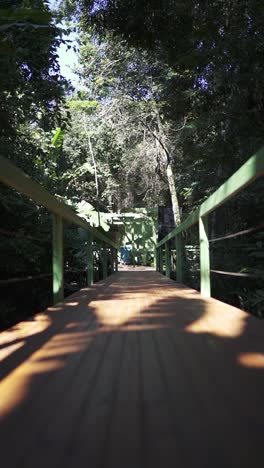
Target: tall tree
[[128, 87], [215, 49]]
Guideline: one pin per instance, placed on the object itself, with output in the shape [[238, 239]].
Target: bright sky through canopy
[[67, 57]]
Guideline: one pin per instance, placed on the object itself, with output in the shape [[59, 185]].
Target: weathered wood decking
[[136, 372]]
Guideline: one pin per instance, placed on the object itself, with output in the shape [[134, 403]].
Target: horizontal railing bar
[[74, 271], [25, 278], [34, 277], [239, 233], [15, 178], [193, 218], [23, 236], [231, 273], [245, 175]]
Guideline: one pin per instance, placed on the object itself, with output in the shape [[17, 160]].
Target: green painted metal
[[104, 259], [116, 260], [57, 258], [179, 258], [167, 260], [17, 179], [205, 283], [161, 260], [244, 176], [89, 250], [13, 177], [112, 260], [138, 229], [157, 259]]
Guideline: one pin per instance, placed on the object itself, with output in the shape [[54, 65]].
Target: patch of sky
[[201, 83], [99, 5], [68, 57], [68, 49], [53, 4]]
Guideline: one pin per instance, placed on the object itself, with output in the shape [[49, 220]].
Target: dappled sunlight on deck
[[254, 360], [9, 349], [28, 328], [49, 358], [21, 330], [136, 371], [219, 322]]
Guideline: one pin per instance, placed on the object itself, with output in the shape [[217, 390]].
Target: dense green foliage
[[32, 93], [115, 109], [213, 94], [215, 50], [31, 87]]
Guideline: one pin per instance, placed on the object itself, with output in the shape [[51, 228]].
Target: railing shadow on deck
[[107, 371], [24, 338]]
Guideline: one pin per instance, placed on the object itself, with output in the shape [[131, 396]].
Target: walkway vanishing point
[[137, 372]]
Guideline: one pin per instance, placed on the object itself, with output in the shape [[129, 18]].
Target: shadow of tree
[[139, 372]]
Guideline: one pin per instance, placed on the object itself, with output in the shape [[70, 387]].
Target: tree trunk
[[171, 182], [95, 177], [173, 194]]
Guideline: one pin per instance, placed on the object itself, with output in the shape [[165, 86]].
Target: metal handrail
[[15, 178], [243, 177]]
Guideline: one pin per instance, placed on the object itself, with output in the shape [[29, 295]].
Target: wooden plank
[[184, 405], [89, 439], [227, 395], [55, 441], [138, 371], [123, 445], [45, 390], [161, 445], [47, 381], [161, 442]]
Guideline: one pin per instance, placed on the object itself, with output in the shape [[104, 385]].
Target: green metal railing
[[243, 177], [13, 177]]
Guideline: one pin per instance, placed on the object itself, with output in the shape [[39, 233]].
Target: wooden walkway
[[136, 372]]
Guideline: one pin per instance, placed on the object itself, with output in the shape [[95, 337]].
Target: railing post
[[167, 259], [89, 251], [116, 260], [161, 260], [104, 261], [179, 257], [112, 260], [156, 255], [57, 258], [205, 283], [154, 258]]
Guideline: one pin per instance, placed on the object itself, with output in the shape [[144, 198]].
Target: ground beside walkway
[[135, 372]]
